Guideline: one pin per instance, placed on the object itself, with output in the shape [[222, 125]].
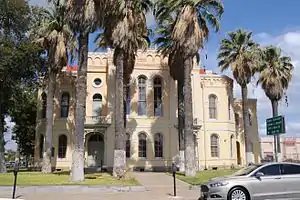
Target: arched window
[[237, 119], [250, 119], [128, 146], [231, 146], [142, 104], [62, 146], [214, 145], [142, 145], [128, 99], [97, 105], [158, 145], [44, 104], [212, 101], [64, 104], [229, 108], [41, 149], [157, 83]]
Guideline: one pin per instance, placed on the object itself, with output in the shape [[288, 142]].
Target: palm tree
[[188, 22], [54, 34], [125, 30], [239, 52], [83, 19], [275, 76]]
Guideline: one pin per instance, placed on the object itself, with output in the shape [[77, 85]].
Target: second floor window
[[229, 108], [44, 104], [212, 105], [142, 89], [157, 83], [128, 99], [97, 105], [64, 105], [237, 119]]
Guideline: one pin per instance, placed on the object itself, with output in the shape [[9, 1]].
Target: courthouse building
[[151, 135]]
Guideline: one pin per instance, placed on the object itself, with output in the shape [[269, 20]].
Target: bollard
[[16, 170], [174, 170]]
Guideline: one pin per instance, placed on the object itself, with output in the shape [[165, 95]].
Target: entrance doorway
[[238, 153], [95, 150]]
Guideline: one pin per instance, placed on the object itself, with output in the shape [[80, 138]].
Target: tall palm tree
[[275, 76], [83, 19], [54, 34], [240, 53], [188, 21], [125, 30]]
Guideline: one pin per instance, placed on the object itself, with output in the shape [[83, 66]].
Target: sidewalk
[[159, 187]]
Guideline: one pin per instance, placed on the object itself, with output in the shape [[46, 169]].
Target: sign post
[[275, 127]]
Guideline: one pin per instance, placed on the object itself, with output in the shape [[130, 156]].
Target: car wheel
[[238, 194]]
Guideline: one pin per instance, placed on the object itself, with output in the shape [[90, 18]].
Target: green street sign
[[275, 125]]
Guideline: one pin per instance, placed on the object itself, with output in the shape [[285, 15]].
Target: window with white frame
[[214, 145], [97, 105], [158, 145], [142, 101], [212, 105], [157, 83], [142, 145]]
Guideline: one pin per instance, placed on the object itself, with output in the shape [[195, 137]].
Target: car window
[[270, 170], [290, 169]]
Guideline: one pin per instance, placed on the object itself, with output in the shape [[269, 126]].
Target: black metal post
[[16, 170], [174, 180], [174, 170]]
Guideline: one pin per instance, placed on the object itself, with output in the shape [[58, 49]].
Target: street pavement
[[159, 186]]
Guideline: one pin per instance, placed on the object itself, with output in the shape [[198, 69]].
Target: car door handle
[[278, 178]]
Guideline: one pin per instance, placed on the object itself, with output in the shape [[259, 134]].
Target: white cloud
[[289, 42]]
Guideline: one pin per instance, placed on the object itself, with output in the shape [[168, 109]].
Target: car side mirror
[[259, 174]]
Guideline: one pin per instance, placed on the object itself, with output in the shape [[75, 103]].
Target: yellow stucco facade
[[152, 139]]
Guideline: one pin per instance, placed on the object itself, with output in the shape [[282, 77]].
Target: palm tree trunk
[[180, 99], [246, 124], [2, 142], [276, 137], [46, 166], [119, 152], [190, 167], [77, 171]]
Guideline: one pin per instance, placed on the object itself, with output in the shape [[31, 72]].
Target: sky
[[272, 23]]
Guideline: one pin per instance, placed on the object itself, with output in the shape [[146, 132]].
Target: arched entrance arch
[[95, 149], [238, 153]]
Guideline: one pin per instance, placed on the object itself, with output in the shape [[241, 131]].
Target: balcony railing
[[98, 120]]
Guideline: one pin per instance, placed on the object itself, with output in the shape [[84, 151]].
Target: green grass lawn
[[204, 176], [63, 178]]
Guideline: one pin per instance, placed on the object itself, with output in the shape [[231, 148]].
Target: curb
[[75, 189]]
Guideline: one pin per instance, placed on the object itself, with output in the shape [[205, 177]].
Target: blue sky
[[272, 22]]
